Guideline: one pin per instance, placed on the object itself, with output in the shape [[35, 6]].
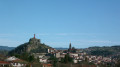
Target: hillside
[[105, 51], [33, 46], [5, 49]]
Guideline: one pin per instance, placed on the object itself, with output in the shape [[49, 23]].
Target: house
[[44, 59], [74, 54], [15, 62], [4, 63], [75, 61], [39, 55], [51, 50], [63, 55], [18, 63], [11, 58], [47, 65], [57, 54]]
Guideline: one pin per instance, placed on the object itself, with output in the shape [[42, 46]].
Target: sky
[[57, 23]]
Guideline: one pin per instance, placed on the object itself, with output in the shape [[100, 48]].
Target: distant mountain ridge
[[33, 46], [59, 48], [6, 48]]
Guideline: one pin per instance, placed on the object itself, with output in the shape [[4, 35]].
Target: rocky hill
[[33, 46]]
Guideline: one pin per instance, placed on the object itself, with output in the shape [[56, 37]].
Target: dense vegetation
[[25, 56], [5, 49], [54, 61], [4, 52], [104, 51], [67, 59], [101, 53]]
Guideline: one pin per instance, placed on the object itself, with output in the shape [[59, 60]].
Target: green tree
[[67, 59], [54, 60], [31, 58]]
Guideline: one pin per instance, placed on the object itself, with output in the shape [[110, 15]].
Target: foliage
[[54, 60], [3, 52], [31, 58], [118, 63], [67, 59], [104, 51], [25, 56], [101, 53]]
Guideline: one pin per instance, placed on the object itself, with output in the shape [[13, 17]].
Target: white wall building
[[43, 60], [18, 65], [11, 58]]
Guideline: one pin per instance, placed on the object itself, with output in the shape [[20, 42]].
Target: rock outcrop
[[33, 46]]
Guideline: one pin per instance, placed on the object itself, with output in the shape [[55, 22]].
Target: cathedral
[[71, 49]]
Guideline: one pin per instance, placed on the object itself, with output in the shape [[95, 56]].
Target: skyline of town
[[57, 23], [59, 33]]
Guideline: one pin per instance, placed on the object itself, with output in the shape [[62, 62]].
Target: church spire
[[70, 46]]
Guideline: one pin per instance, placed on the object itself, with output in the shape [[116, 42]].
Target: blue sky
[[84, 23]]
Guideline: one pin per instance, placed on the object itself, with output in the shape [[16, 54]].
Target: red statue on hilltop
[[34, 36]]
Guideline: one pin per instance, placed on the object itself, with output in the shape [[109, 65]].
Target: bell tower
[[70, 46]]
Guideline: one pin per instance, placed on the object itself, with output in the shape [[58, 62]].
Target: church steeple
[[70, 46]]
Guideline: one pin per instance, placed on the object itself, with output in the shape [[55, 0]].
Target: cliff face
[[33, 46]]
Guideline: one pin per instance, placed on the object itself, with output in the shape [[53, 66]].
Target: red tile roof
[[47, 64], [3, 62]]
